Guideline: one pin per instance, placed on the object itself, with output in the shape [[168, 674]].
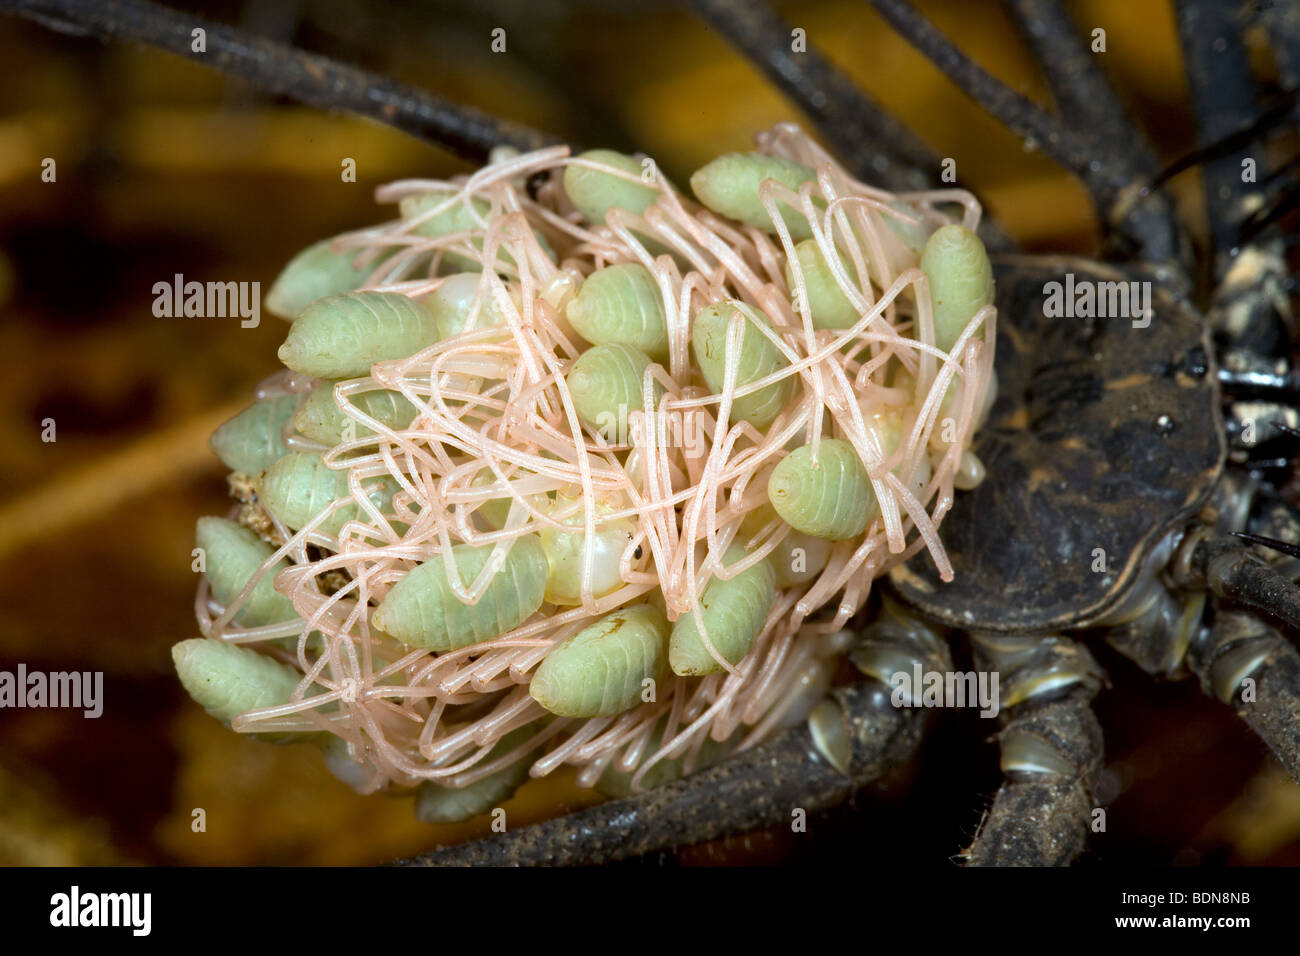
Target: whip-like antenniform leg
[[1108, 170], [761, 787], [1051, 750], [1224, 98], [1078, 84], [874, 145], [274, 67]]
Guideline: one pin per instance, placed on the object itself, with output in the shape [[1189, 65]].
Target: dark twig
[[277, 68], [1108, 174], [759, 788]]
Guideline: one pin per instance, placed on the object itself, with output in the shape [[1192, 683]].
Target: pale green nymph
[[595, 193], [621, 305], [422, 610], [342, 336], [437, 803], [797, 558], [300, 486], [600, 671], [961, 281], [566, 552], [759, 357], [606, 384], [450, 305], [253, 440], [830, 307], [457, 218], [320, 418], [729, 185], [830, 497], [228, 680], [733, 612], [232, 554], [314, 273]]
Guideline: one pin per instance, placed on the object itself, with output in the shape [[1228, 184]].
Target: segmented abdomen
[[300, 486], [827, 498], [232, 554], [422, 610], [733, 612], [621, 305], [253, 440], [599, 671], [342, 336]]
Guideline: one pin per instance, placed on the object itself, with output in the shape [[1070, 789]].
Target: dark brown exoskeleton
[[1124, 450]]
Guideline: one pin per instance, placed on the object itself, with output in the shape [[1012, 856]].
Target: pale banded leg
[[1247, 663], [1051, 751]]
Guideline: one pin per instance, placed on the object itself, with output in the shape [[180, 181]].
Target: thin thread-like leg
[[277, 68], [758, 788], [1051, 751], [1108, 174], [1238, 648]]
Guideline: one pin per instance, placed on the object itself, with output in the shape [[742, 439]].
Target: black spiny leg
[[1051, 750], [1227, 568]]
